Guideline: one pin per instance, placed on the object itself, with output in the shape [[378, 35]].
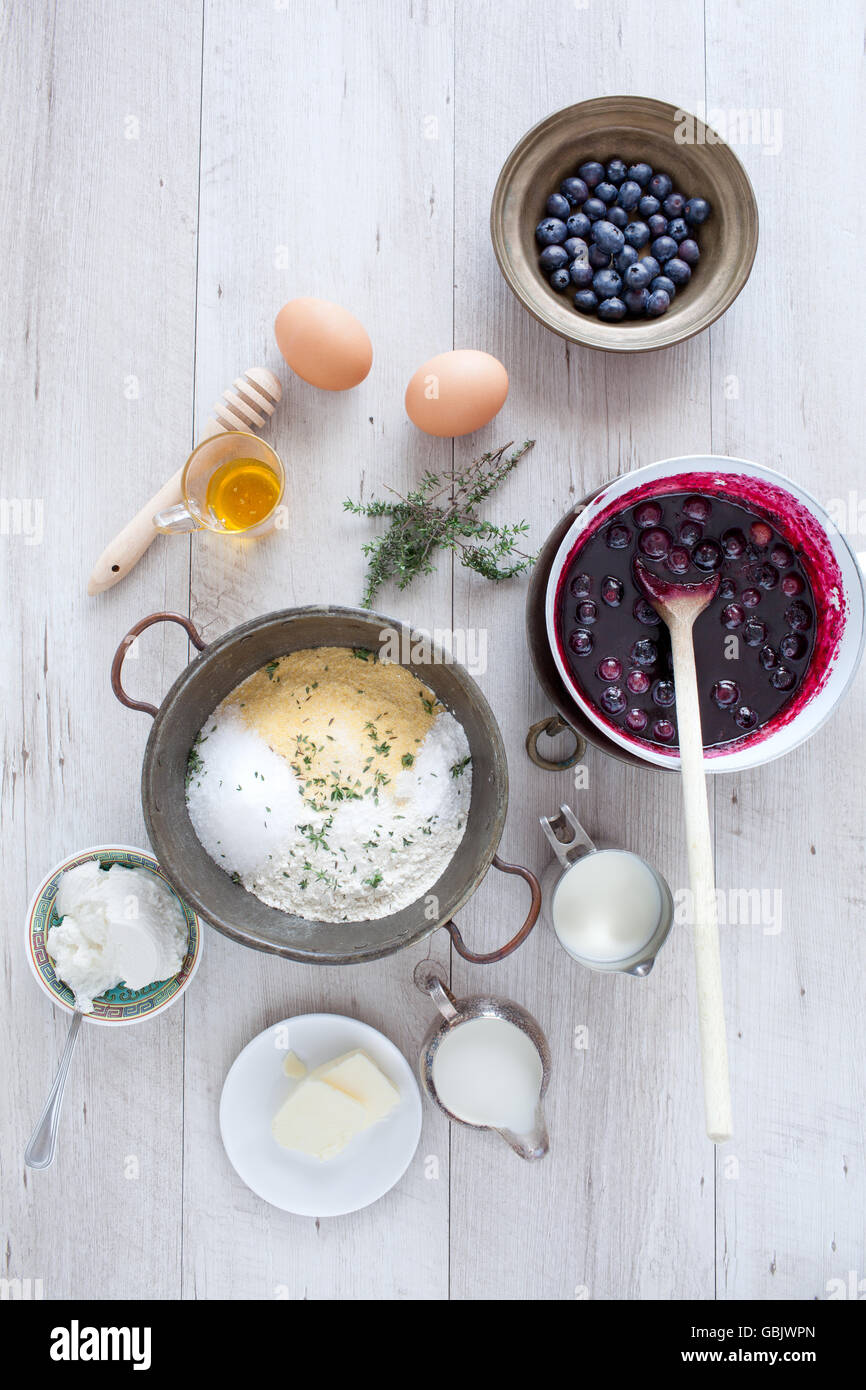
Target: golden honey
[[242, 492]]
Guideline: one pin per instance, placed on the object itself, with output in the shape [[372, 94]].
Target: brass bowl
[[635, 128]]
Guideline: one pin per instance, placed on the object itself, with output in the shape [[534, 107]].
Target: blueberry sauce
[[753, 643]]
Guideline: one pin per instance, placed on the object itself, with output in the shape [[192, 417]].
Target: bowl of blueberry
[[776, 648], [615, 235]]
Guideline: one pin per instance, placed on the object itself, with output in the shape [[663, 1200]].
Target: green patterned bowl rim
[[118, 1005]]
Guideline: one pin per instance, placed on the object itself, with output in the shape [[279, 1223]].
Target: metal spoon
[[678, 605], [43, 1141]]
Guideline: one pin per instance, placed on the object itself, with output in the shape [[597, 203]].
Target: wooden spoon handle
[[124, 552], [708, 965]]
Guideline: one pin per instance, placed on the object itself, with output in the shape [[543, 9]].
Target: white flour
[[362, 858]]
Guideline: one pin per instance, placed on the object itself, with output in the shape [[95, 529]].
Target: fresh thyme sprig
[[441, 514]]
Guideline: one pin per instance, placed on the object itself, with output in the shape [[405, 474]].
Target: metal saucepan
[[832, 567], [212, 675]]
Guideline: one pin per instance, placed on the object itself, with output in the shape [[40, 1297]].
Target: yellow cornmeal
[[345, 722]]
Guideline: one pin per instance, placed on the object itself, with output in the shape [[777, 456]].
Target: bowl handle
[[518, 940], [127, 642], [551, 726]]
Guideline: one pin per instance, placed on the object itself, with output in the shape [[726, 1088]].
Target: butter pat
[[334, 1103], [359, 1077], [319, 1120]]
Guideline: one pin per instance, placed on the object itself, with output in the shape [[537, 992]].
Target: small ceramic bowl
[[636, 129], [119, 1005]]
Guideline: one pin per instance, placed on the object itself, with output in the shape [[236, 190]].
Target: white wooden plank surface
[[350, 151]]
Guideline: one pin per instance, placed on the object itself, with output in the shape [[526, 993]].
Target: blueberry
[[647, 514], [781, 557], [644, 652], [598, 259], [767, 657], [798, 617], [754, 632], [553, 258], [585, 301], [657, 224], [557, 206], [745, 717], [793, 646], [727, 588], [580, 274], [576, 248], [575, 192], [663, 248], [648, 205], [782, 678], [609, 669], [578, 225], [751, 597], [657, 303], [792, 584], [612, 591], [732, 616], [612, 309], [616, 171], [550, 232], [661, 282], [690, 532], [607, 284], [652, 266], [660, 185], [663, 693], [637, 277], [586, 611], [560, 280], [636, 302], [626, 257], [580, 642], [592, 173], [618, 537], [640, 173], [677, 229], [637, 234], [629, 195], [689, 251], [664, 730], [678, 558], [594, 208], [608, 237], [580, 586], [725, 694], [638, 682], [761, 534], [707, 556], [636, 720], [697, 508], [613, 700], [655, 542], [606, 192], [678, 271], [618, 216], [673, 204], [766, 576], [645, 613], [733, 543], [697, 210]]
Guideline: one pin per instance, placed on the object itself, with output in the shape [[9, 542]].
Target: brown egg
[[456, 392], [323, 343]]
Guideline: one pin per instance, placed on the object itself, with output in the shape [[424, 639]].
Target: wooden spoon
[[244, 406], [679, 605]]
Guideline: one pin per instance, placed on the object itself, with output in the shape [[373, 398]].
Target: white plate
[[256, 1087]]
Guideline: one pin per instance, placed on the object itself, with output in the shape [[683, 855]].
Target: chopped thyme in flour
[[441, 514]]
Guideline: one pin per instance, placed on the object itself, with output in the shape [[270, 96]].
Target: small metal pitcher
[[570, 844], [428, 978]]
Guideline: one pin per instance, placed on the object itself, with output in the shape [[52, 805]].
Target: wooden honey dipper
[[246, 405]]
